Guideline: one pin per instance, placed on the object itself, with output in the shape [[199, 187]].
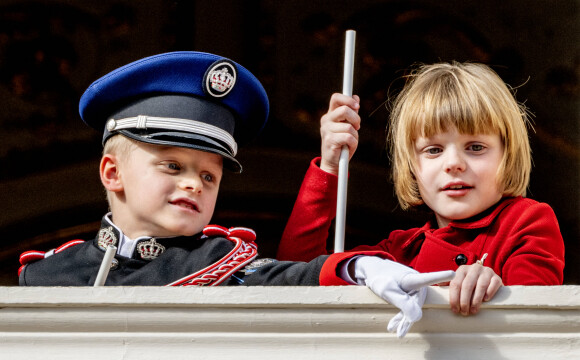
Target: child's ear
[[109, 171]]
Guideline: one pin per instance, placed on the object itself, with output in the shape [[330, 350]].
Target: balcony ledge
[[530, 322]]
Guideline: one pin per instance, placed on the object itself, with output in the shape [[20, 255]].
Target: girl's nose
[[454, 161]]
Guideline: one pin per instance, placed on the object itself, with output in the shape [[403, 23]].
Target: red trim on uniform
[[247, 254], [246, 234], [67, 245], [31, 255], [208, 268], [244, 251], [34, 255], [215, 230]]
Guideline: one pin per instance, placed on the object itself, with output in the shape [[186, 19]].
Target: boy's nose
[[191, 184]]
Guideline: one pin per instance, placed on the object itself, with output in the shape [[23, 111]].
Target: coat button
[[114, 264], [461, 259]]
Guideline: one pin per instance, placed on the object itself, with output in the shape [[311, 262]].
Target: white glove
[[400, 285]]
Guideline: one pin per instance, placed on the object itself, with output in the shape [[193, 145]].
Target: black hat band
[[179, 125]]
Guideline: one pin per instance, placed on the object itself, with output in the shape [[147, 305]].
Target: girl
[[459, 145]]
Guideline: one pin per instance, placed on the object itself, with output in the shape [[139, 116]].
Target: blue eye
[[173, 166]]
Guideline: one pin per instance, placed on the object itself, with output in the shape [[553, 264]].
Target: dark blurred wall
[[50, 51]]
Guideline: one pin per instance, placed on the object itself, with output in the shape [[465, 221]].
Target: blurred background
[[51, 50]]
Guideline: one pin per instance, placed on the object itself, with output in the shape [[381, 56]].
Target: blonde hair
[[120, 146], [470, 97]]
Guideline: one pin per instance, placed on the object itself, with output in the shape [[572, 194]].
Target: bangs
[[448, 100]]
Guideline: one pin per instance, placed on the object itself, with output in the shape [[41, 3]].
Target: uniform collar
[[143, 248]]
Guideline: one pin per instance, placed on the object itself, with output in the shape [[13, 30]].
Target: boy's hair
[[474, 99], [119, 146]]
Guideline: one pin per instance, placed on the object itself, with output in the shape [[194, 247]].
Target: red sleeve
[[330, 273], [306, 232], [536, 254]]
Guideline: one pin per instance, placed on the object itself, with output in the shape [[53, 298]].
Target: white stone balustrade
[[276, 323]]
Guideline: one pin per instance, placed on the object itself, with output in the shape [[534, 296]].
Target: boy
[[171, 122]]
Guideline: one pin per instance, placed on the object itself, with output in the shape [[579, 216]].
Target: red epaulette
[[244, 252], [33, 255]]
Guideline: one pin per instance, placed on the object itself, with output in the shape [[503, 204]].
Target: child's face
[[456, 173], [167, 191]]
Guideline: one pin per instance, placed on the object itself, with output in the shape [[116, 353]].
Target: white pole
[[343, 162], [105, 265]]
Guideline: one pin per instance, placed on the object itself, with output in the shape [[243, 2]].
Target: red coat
[[520, 236]]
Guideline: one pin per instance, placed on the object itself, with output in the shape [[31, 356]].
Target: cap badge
[[150, 249], [106, 237], [111, 124], [220, 78]]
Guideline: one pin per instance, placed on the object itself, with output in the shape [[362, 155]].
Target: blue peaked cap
[[189, 99]]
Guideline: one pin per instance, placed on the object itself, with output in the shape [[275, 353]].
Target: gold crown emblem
[[221, 79], [150, 249]]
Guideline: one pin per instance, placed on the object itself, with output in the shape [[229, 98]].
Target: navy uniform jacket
[[77, 264]]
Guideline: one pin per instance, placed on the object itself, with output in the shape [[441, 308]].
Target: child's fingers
[[473, 284], [467, 290], [340, 128], [335, 135], [461, 289], [333, 142], [341, 114], [338, 100], [478, 294], [493, 287], [487, 286], [455, 289]]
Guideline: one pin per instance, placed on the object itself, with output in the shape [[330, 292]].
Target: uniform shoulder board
[[245, 234], [34, 255]]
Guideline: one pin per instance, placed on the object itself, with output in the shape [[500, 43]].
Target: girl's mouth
[[457, 187]]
